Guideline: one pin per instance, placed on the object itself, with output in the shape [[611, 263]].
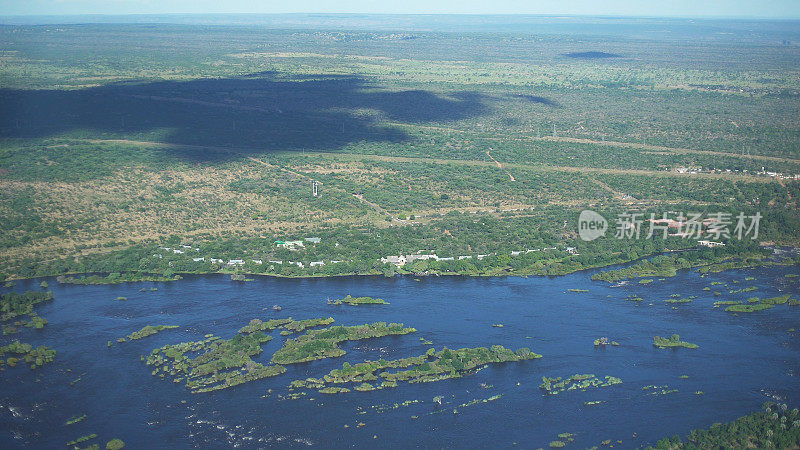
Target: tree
[[388, 270]]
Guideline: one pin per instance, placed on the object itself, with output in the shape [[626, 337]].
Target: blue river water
[[743, 360]]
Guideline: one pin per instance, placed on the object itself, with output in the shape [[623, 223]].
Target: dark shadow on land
[[261, 112]]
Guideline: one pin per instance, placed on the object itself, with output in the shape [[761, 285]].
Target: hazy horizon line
[[548, 15]]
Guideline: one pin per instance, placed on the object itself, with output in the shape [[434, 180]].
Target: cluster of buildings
[[570, 250], [398, 260], [290, 245], [178, 250], [295, 245], [779, 175], [762, 172], [402, 260]]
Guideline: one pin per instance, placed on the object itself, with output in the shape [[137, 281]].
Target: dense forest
[[776, 426]]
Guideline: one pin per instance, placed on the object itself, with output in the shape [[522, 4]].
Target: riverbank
[[666, 267]]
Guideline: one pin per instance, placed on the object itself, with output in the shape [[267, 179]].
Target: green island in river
[[289, 325], [223, 363], [319, 344], [75, 420], [350, 300], [760, 304], [672, 341], [603, 341], [148, 330], [554, 386], [432, 366], [35, 357], [13, 305], [219, 363]]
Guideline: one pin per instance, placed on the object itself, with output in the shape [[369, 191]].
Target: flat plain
[[118, 141]]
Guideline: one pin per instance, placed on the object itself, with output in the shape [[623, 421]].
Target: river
[[742, 361]]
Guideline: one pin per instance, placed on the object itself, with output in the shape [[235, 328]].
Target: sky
[[681, 8]]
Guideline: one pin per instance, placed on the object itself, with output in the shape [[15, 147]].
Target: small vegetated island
[[35, 357], [353, 301], [726, 303], [12, 306], [603, 341], [672, 341], [322, 343], [554, 386], [114, 444], [223, 363], [431, 366], [214, 363], [740, 290], [288, 325], [74, 443], [658, 390], [219, 363], [563, 440], [759, 304], [676, 298], [76, 419], [148, 330], [775, 427]]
